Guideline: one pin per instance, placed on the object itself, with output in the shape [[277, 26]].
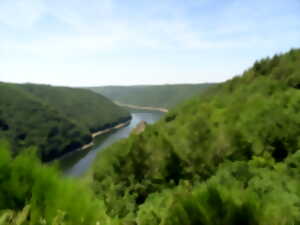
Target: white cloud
[[117, 38], [81, 14], [61, 46], [21, 13]]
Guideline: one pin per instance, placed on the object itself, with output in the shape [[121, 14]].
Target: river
[[77, 163]]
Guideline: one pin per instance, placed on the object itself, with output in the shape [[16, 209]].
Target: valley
[[168, 112], [78, 163], [227, 155], [56, 120]]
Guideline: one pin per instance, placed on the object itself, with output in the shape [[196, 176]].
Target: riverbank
[[91, 144], [118, 126], [148, 108], [105, 131], [79, 162]]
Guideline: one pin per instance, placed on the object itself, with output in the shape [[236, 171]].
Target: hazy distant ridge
[[163, 96]]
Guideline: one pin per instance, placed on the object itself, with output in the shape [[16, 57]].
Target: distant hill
[[163, 96], [55, 119]]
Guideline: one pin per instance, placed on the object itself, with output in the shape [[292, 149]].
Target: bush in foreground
[[32, 193]]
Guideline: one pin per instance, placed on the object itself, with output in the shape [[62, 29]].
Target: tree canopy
[[54, 119]]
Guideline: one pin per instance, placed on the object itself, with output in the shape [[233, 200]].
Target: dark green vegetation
[[54, 119], [230, 156], [164, 96]]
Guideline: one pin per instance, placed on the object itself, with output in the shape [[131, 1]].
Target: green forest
[[164, 96], [229, 155], [56, 120]]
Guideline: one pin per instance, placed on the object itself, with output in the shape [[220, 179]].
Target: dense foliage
[[164, 96], [80, 105], [227, 157], [31, 193], [55, 119], [231, 156]]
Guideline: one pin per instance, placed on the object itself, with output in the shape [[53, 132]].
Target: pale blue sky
[[123, 42]]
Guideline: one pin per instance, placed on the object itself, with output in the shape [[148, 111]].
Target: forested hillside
[[228, 157], [54, 119], [163, 96], [87, 108]]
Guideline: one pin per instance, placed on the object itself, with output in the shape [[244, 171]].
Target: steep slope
[[54, 119], [163, 96], [228, 157], [91, 110]]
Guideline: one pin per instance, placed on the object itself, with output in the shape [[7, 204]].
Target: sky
[[127, 42]]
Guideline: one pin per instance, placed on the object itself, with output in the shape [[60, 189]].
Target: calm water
[[77, 163]]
